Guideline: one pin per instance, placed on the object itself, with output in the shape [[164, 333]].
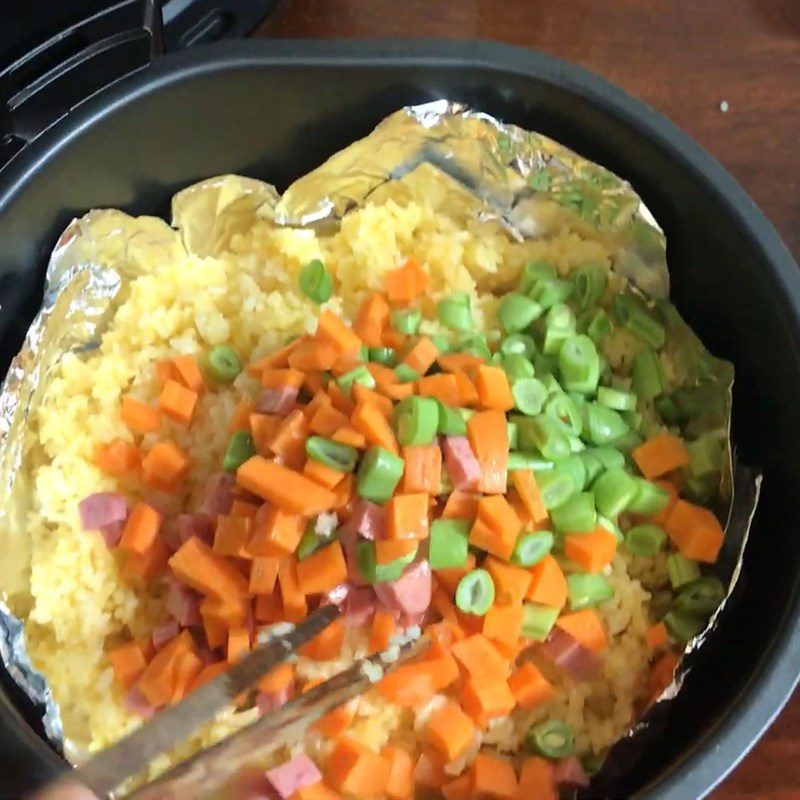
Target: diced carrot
[[333, 724], [190, 374], [488, 436], [407, 516], [529, 687], [695, 531], [327, 420], [384, 376], [215, 630], [295, 606], [450, 731], [459, 362], [277, 679], [500, 527], [467, 393], [368, 419], [279, 358], [321, 474], [313, 355], [511, 583], [460, 505], [429, 770], [128, 663], [486, 698], [406, 282], [231, 536], [458, 788], [548, 584], [345, 362], [422, 355], [177, 402], [382, 630], [268, 607], [669, 487], [187, 668], [372, 319], [659, 455], [330, 328], [363, 394], [199, 567], [586, 627], [399, 391], [287, 489], [314, 382], [388, 550], [327, 644], [275, 532], [662, 671], [400, 785], [423, 468], [139, 416], [240, 421], [243, 509], [656, 636], [280, 378], [525, 484], [238, 644], [322, 570], [479, 658], [263, 428], [232, 611], [340, 400], [348, 435], [166, 371], [118, 457], [450, 578], [503, 624], [320, 398], [494, 390], [343, 492], [444, 387], [316, 791], [537, 780], [444, 633], [413, 684], [156, 683], [208, 674], [147, 565], [493, 778], [591, 551], [141, 528], [354, 769], [263, 574], [289, 440], [166, 462]]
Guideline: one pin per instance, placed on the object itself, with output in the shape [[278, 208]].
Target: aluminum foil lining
[[523, 181]]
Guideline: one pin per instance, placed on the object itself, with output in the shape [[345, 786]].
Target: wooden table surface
[[684, 58]]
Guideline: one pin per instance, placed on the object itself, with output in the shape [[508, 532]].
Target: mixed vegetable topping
[[421, 480]]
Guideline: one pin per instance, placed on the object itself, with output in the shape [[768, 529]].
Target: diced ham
[[183, 604], [569, 772], [199, 525], [410, 594], [368, 520], [460, 463], [577, 661], [102, 510], [359, 607], [218, 494], [167, 629], [135, 703], [348, 538], [277, 400], [112, 533], [293, 775], [271, 701]]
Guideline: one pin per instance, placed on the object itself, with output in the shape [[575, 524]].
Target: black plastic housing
[[274, 110]]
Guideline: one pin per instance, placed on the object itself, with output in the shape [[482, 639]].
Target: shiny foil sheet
[[524, 182]]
